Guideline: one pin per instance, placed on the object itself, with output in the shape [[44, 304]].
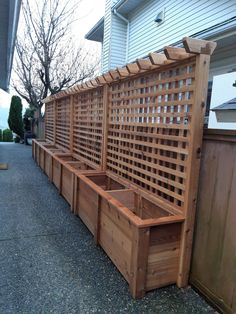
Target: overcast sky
[[90, 12]]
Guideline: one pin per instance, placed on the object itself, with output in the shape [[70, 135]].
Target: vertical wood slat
[[97, 220], [193, 166], [105, 126], [71, 123], [50, 168], [139, 260], [54, 122], [75, 194], [214, 250]]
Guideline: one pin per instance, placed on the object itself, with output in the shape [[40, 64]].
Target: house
[[9, 17], [131, 29], [226, 112], [222, 113]]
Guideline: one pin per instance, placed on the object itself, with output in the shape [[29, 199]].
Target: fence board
[[214, 254]]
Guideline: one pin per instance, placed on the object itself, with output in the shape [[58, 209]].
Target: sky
[[218, 98], [91, 12]]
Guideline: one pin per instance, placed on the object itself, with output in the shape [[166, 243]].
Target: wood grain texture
[[163, 256], [214, 251], [193, 166]]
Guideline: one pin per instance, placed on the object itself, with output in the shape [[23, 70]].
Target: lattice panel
[[49, 122], [87, 125], [149, 130], [63, 122]]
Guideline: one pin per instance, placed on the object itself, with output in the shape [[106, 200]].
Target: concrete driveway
[[48, 260]]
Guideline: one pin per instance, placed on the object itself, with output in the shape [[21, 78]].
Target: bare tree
[[47, 58]]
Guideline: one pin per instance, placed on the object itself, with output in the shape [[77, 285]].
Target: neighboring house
[[226, 112], [131, 29], [9, 17]]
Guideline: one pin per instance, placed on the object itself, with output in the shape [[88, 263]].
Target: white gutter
[[114, 10], [119, 4]]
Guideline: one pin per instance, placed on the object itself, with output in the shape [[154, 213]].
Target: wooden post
[[105, 126], [60, 178], [38, 155], [71, 123], [193, 166], [73, 192], [139, 259], [44, 156], [50, 168], [76, 195], [97, 217], [54, 122], [33, 149]]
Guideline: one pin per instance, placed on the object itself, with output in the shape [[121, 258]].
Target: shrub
[[15, 116], [7, 135], [17, 139], [27, 117], [0, 135]]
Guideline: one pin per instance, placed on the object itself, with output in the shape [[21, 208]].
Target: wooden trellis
[[62, 123], [131, 144], [87, 125], [49, 122]]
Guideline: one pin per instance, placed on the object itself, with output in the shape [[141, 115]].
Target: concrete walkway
[[48, 260]]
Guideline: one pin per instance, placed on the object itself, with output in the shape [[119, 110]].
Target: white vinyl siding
[[118, 42], [182, 18], [114, 40], [106, 37]]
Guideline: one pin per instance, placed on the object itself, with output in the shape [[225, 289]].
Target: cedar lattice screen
[[63, 122], [87, 125], [49, 122], [148, 135], [142, 123]]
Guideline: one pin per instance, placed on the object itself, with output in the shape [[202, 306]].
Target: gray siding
[[182, 18]]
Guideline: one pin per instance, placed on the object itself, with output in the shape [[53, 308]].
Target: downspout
[[127, 33]]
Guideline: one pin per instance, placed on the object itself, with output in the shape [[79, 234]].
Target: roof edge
[[96, 32]]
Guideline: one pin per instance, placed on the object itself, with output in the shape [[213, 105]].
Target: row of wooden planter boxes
[[142, 239]]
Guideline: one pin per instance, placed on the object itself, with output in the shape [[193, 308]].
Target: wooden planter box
[[35, 149], [142, 126], [64, 167], [42, 154], [142, 239], [36, 146], [50, 151]]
